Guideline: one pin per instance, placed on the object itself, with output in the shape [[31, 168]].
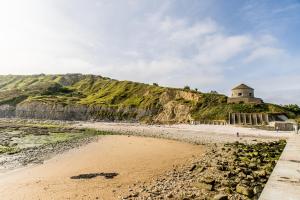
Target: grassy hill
[[81, 97]]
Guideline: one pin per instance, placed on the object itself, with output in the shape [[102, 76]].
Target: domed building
[[243, 94]]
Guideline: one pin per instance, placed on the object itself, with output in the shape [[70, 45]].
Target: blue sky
[[209, 45]]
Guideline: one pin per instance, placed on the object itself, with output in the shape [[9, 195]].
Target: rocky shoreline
[[236, 170], [37, 155], [230, 171], [25, 142]]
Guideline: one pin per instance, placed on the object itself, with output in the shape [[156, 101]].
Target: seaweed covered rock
[[230, 171]]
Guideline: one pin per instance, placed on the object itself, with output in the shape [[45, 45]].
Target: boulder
[[220, 197], [260, 173], [244, 190], [205, 186], [257, 189]]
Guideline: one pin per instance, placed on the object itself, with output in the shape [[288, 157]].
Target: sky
[[209, 45]]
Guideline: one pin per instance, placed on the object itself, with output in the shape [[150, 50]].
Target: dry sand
[[202, 134], [136, 159]]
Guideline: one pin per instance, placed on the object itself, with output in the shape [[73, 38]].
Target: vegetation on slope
[[165, 104]]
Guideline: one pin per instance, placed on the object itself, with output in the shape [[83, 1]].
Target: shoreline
[[197, 134], [185, 179], [135, 159]]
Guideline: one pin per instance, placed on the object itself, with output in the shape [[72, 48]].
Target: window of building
[[239, 94], [250, 94]]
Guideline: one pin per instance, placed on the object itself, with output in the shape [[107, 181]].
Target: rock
[[170, 195], [242, 175], [222, 167], [94, 175], [201, 169], [245, 182], [261, 173], [220, 197], [205, 186], [135, 194], [193, 168], [225, 182], [232, 183], [209, 180], [257, 189], [244, 190], [247, 171], [253, 166], [127, 197], [237, 170], [237, 180], [249, 177]]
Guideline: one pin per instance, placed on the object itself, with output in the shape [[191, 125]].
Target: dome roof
[[242, 86]]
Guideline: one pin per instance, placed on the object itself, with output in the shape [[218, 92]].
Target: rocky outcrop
[[172, 107], [176, 107], [173, 112], [41, 110], [7, 111], [54, 111]]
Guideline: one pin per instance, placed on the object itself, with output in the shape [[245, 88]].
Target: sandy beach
[[201, 134], [97, 160], [135, 159]]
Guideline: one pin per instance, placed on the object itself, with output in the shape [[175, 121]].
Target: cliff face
[[89, 97], [7, 111], [177, 106], [41, 110], [168, 111]]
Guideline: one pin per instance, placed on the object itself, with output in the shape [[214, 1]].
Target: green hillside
[[102, 98]]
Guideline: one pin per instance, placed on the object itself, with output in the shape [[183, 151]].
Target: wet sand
[[135, 159]]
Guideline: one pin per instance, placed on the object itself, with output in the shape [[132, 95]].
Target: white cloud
[[218, 49], [288, 8], [264, 53], [134, 40], [281, 89], [190, 33], [35, 38]]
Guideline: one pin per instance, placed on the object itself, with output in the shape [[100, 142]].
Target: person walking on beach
[[237, 134]]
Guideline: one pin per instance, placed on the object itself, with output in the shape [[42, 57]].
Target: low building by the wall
[[278, 121], [283, 126]]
